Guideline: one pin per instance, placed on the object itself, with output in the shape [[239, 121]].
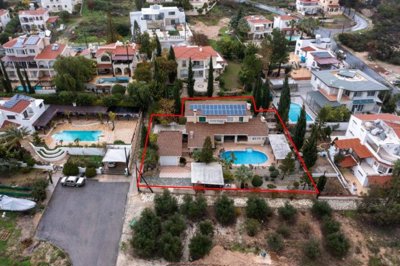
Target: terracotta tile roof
[[37, 12], [3, 12], [395, 127], [194, 52], [48, 53], [347, 162], [17, 108], [10, 43], [378, 180], [372, 117], [169, 143], [333, 5], [52, 19], [116, 49], [354, 144], [287, 17], [308, 49], [255, 127]]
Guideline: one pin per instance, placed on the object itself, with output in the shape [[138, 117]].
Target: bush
[[252, 227], [118, 89], [90, 172], [311, 249], [199, 246], [275, 242], [283, 230], [271, 186], [119, 142], [194, 209], [70, 169], [337, 244], [171, 247], [321, 209], [39, 189], [257, 208], [257, 181], [274, 174], [225, 210], [175, 225], [330, 226], [206, 228], [165, 204], [288, 212]]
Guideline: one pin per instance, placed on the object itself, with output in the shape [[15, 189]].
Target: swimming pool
[[247, 156], [294, 113], [81, 135], [113, 80], [21, 88]]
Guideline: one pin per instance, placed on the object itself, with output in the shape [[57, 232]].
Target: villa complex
[[286, 23], [352, 88], [313, 7], [4, 19]]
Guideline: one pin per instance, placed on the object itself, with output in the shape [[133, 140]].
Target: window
[[171, 13], [347, 93], [25, 113], [358, 94], [183, 63], [11, 117], [382, 169], [390, 170], [229, 119], [241, 119], [371, 93], [202, 119], [31, 51], [105, 58], [40, 105]]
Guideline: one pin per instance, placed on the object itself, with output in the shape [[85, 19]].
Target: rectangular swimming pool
[[113, 80], [294, 113], [80, 135]]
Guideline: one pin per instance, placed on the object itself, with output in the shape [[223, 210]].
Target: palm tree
[[243, 174], [13, 136], [112, 117], [292, 24]]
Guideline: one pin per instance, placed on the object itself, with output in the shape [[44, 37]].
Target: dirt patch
[[23, 179], [210, 31], [388, 71]]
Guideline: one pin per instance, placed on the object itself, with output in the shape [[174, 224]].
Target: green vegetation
[[225, 210], [206, 154], [70, 169], [320, 209], [257, 181], [337, 244], [288, 212], [275, 242], [199, 246], [300, 129], [39, 189], [311, 249], [257, 208], [91, 161], [165, 204], [90, 172], [194, 209], [284, 101], [252, 226], [206, 228]]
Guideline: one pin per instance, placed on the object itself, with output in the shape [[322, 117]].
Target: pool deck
[[124, 130]]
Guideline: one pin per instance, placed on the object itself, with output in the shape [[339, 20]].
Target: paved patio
[[353, 182]]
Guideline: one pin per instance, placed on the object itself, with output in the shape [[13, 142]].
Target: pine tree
[[210, 84], [21, 79], [171, 54], [284, 101], [158, 46], [7, 82], [177, 96], [310, 152], [28, 83], [171, 57], [206, 155], [321, 183], [300, 130], [190, 83], [266, 95], [287, 165]]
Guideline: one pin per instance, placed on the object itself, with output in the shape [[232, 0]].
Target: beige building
[[330, 7]]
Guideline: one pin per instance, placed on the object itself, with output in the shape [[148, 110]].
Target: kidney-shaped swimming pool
[[248, 156]]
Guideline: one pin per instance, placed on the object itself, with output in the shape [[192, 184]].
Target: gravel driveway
[[86, 222]]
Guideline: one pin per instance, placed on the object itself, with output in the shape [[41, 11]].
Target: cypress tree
[[321, 183], [177, 96], [171, 57], [158, 46], [284, 101], [310, 152], [7, 82], [136, 33], [171, 54], [190, 84], [206, 154], [210, 84], [257, 94], [28, 83], [300, 130], [266, 95], [21, 79]]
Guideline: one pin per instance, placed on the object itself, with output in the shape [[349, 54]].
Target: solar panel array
[[32, 40], [19, 43], [15, 99], [220, 109]]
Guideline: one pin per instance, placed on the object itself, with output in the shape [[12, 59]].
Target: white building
[[200, 56], [285, 22], [60, 5], [33, 54], [35, 20], [259, 26], [330, 7], [371, 147], [307, 7], [352, 88], [169, 147], [20, 111], [4, 18], [168, 23]]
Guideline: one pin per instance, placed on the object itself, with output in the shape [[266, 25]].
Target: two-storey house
[[287, 24], [200, 56], [4, 19], [60, 5], [168, 23], [330, 7], [304, 48], [352, 88], [259, 26], [371, 147], [20, 111], [307, 7], [34, 20]]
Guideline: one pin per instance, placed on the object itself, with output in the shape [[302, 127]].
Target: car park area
[[86, 222]]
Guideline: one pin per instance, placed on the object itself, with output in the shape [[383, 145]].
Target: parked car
[[73, 181]]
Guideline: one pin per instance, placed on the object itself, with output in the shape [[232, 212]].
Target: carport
[[280, 146], [118, 156]]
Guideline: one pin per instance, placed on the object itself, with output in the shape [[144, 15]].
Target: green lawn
[[231, 75]]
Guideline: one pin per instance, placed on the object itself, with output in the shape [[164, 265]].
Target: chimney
[[201, 49]]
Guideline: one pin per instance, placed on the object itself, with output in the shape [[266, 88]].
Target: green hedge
[[16, 188]]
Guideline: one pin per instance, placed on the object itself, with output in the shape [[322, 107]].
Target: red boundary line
[[251, 98]]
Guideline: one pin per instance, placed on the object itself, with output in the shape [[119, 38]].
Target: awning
[[207, 174], [116, 155], [280, 146]]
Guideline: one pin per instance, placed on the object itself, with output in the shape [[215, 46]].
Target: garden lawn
[[231, 75]]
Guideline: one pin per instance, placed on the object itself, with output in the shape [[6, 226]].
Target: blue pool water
[[113, 80], [248, 156], [294, 113], [294, 38], [21, 88], [82, 135]]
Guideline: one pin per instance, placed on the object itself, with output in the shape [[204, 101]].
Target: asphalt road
[[86, 222]]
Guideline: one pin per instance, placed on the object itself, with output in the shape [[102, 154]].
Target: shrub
[[271, 186], [311, 249], [296, 184], [275, 242], [194, 209], [321, 209], [165, 204], [175, 225], [118, 89], [171, 247], [225, 210], [274, 174], [257, 208], [199, 246], [119, 142], [70, 169], [90, 172], [206, 228], [288, 212], [39, 189], [252, 227], [330, 226], [337, 244], [283, 230], [257, 181]]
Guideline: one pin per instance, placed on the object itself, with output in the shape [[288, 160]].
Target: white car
[[73, 181]]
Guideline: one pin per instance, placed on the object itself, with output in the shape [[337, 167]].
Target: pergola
[[280, 146]]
